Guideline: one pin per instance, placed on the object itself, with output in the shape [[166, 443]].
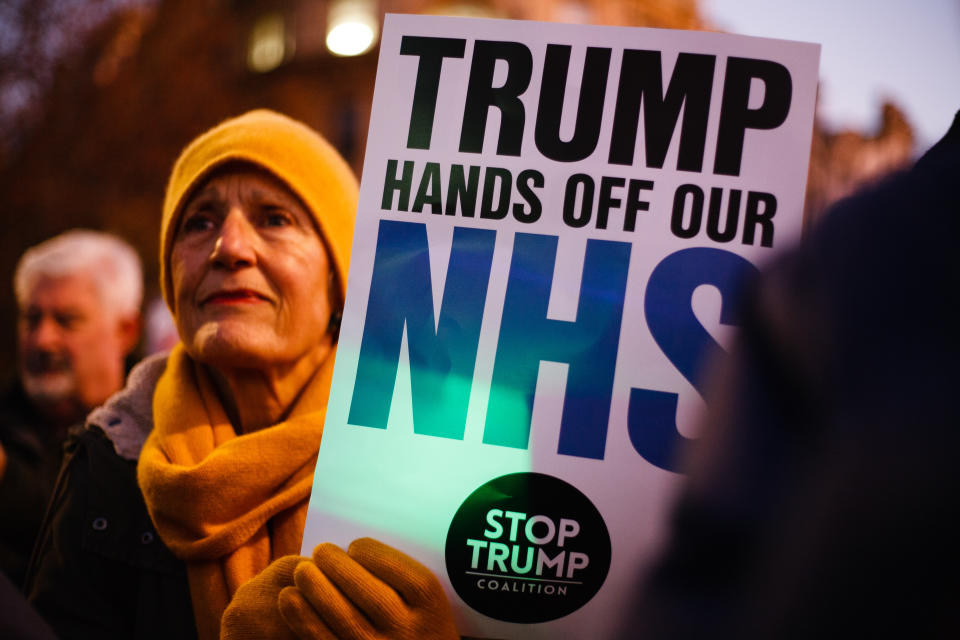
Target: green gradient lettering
[[589, 345], [442, 354]]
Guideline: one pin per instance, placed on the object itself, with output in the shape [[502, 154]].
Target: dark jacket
[[34, 451], [99, 568], [822, 500]]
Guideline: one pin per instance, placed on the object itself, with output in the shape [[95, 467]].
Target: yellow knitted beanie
[[290, 150]]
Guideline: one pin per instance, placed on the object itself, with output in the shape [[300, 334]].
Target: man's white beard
[[49, 388]]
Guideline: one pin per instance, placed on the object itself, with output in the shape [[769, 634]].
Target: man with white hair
[[79, 298]]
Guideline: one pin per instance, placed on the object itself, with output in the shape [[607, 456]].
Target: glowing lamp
[[267, 47], [352, 27]]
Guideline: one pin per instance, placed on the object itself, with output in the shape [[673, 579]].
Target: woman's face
[[251, 276]]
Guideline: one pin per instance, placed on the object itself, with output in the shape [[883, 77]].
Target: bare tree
[[36, 36]]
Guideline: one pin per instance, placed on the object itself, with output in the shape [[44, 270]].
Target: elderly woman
[[186, 494]]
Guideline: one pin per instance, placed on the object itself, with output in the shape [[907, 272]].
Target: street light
[[267, 47], [352, 27]]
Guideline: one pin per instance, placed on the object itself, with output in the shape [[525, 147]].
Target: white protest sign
[[552, 220]]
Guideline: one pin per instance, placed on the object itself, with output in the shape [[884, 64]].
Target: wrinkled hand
[[370, 592], [253, 613]]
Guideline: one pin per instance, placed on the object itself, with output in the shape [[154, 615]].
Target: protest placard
[[552, 222]]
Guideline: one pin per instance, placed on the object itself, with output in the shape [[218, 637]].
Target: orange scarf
[[226, 504]]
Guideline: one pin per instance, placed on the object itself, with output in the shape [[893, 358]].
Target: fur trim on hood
[[127, 416]]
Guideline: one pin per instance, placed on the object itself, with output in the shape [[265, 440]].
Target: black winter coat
[[99, 569], [34, 453], [820, 504]]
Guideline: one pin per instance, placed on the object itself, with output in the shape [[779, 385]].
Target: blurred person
[[19, 621], [822, 498], [181, 505], [79, 297], [159, 331]]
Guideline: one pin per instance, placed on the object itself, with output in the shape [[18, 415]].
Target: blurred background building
[[97, 97]]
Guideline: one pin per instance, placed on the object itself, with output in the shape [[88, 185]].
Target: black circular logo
[[527, 547]]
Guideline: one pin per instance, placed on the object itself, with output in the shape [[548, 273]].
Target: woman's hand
[[253, 613], [370, 592]]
